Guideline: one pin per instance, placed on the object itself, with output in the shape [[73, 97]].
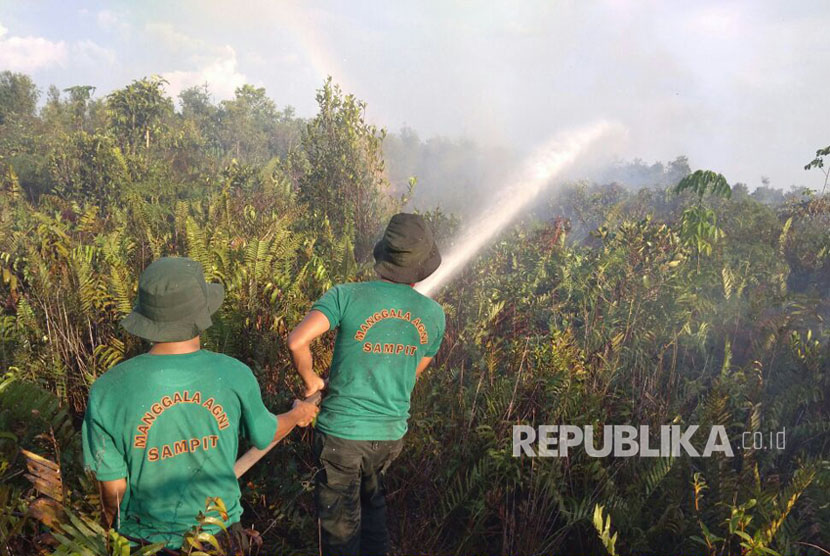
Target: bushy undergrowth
[[664, 307]]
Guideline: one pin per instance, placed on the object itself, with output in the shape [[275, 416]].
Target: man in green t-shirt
[[161, 429], [387, 335]]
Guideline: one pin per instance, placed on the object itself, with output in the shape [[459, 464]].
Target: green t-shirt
[[170, 424], [385, 329]]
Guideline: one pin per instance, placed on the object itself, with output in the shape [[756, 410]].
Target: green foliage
[[702, 182], [699, 228], [250, 126], [199, 541], [137, 112], [80, 536], [88, 167], [18, 97], [603, 528], [610, 307], [699, 224], [346, 181], [818, 162], [33, 418]]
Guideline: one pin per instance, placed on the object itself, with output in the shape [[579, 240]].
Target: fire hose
[[253, 455]]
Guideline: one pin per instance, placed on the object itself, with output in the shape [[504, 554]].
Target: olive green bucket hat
[[407, 253], [174, 301]]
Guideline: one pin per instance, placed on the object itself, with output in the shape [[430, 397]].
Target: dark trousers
[[350, 497]]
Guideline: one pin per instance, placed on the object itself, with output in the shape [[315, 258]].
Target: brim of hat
[[187, 328], [405, 274]]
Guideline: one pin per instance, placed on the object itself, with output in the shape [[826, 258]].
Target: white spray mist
[[538, 172]]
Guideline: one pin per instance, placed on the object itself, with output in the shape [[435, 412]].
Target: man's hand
[[112, 492], [422, 364], [304, 412], [313, 385], [314, 325]]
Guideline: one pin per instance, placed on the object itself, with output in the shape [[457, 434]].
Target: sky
[[738, 87]]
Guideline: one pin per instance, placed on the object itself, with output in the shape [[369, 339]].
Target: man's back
[[170, 424], [385, 330], [388, 334]]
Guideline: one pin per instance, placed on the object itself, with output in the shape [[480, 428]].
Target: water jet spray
[[538, 172]]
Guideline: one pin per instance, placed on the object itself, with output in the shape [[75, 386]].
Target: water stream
[[537, 173]]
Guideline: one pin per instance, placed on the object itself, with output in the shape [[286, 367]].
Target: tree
[[79, 98], [18, 97], [677, 170], [245, 123], [699, 224], [137, 111], [345, 181], [768, 195], [199, 112], [88, 167], [22, 137], [740, 191], [253, 130], [818, 162]]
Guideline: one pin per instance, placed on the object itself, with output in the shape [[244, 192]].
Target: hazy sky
[[739, 87]]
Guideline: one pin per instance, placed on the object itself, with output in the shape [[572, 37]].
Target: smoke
[[562, 154]]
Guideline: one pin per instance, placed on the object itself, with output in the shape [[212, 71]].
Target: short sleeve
[[331, 306], [101, 453], [259, 424], [439, 337]]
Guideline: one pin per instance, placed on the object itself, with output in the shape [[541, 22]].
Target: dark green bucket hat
[[407, 253], [174, 301]]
